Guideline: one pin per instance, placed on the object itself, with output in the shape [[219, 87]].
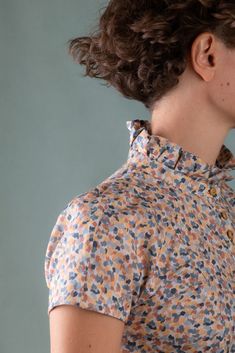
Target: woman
[[145, 261]]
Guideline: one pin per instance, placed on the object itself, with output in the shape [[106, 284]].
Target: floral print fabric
[[153, 246]]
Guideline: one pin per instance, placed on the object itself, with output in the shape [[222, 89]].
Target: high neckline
[[158, 148]]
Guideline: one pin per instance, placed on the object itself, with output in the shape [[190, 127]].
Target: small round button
[[213, 191], [230, 234], [224, 215]]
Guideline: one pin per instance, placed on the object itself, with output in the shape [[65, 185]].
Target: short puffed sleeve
[[91, 260]]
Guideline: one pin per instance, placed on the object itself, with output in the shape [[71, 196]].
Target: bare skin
[[200, 111], [76, 330]]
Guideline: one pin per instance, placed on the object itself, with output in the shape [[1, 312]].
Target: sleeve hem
[[114, 312]]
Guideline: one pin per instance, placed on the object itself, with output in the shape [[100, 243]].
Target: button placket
[[230, 235], [224, 215], [227, 224], [228, 231], [215, 193]]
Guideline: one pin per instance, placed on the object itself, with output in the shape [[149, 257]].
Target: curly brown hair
[[141, 46]]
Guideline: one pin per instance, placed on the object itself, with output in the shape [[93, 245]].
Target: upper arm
[[92, 274], [77, 330]]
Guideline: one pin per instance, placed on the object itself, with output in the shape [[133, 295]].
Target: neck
[[200, 131]]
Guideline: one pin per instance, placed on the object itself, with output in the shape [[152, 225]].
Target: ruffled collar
[[150, 148]]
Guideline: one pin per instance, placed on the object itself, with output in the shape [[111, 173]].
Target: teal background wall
[[60, 135]]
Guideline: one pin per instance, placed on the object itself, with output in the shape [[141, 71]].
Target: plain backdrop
[[61, 134]]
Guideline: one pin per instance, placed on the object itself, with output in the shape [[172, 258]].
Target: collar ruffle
[[143, 144]]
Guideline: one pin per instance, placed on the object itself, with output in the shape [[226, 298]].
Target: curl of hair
[[141, 47]]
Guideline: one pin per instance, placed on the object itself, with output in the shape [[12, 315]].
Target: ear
[[203, 54]]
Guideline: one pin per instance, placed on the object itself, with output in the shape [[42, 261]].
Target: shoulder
[[123, 196], [122, 200], [103, 214], [91, 257], [120, 204]]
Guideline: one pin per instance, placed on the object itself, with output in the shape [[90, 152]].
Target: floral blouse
[[153, 246]]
